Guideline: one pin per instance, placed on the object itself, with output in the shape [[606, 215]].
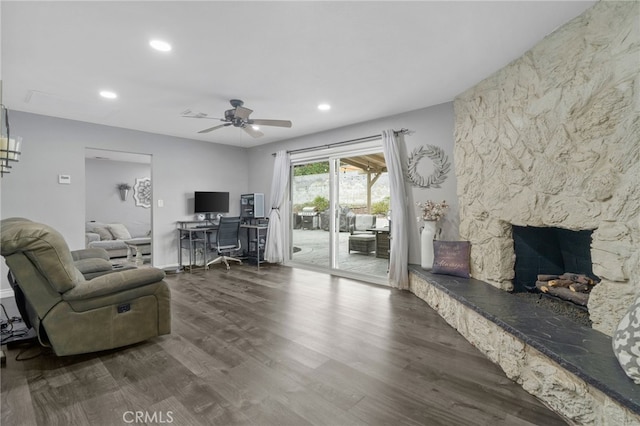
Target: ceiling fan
[[238, 116]]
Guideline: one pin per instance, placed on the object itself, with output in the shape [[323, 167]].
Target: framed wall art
[[142, 192]]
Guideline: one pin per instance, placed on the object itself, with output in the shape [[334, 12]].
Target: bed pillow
[[451, 258], [626, 342], [119, 231]]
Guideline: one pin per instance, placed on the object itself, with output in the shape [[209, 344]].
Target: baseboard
[[169, 269]]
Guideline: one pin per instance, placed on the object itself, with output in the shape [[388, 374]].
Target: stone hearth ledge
[[571, 368]]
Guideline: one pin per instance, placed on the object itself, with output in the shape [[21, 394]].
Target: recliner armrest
[[93, 265], [114, 283], [90, 253]]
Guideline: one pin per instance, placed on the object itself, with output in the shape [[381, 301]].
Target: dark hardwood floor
[[278, 346]]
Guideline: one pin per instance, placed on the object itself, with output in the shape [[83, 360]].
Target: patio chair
[[362, 238]]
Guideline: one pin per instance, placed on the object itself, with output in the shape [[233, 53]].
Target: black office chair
[[227, 241]]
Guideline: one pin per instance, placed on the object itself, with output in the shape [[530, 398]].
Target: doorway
[[340, 205], [118, 191]]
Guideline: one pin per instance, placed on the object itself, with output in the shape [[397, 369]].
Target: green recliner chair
[[74, 315]]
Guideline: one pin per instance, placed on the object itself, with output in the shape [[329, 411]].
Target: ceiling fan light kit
[[238, 116]]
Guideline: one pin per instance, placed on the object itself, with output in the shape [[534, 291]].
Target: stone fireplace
[[553, 140]]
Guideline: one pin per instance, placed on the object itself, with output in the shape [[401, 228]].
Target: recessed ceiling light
[[108, 94], [324, 107], [160, 45], [255, 127]]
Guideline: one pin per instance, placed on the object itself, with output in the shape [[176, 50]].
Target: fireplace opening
[[550, 251], [554, 254]]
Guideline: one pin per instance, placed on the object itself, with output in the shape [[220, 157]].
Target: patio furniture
[[383, 243], [365, 243], [344, 219], [309, 217], [362, 239]]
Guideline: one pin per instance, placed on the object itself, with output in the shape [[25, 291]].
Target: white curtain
[[275, 247], [399, 250]]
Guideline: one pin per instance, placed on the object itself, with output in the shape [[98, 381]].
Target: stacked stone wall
[[553, 139]]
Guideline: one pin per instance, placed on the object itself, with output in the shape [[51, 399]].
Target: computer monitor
[[211, 202]]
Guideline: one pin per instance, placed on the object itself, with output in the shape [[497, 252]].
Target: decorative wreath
[[440, 163]]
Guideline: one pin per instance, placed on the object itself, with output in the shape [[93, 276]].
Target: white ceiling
[[367, 59]]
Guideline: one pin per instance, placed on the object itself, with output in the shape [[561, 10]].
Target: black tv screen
[[211, 202]]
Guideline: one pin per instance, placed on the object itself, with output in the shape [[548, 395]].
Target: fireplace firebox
[[549, 251]]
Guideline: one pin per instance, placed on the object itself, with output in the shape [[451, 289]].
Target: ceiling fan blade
[[187, 113], [202, 116], [210, 129], [277, 123], [253, 132], [242, 112]]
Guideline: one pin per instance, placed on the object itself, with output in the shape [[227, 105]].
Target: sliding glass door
[[340, 204], [363, 194], [310, 194]]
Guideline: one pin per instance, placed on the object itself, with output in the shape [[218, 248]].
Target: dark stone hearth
[[567, 310], [581, 350]]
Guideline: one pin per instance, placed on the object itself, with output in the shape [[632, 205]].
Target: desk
[[256, 239], [192, 234]]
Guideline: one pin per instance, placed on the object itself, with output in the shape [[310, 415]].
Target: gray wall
[[103, 202], [53, 146], [432, 126]]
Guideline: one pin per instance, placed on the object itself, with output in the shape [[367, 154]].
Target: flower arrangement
[[432, 211], [123, 186]]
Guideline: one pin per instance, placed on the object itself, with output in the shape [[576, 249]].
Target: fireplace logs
[[568, 286], [559, 282]]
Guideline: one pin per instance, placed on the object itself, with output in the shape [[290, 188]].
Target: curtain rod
[[402, 131]]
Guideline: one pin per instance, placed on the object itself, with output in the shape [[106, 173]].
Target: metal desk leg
[[258, 248], [190, 252], [204, 251], [179, 251]]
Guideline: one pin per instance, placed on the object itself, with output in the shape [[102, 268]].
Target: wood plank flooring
[[278, 346]]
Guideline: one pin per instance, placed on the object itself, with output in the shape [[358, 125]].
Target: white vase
[[426, 243]]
